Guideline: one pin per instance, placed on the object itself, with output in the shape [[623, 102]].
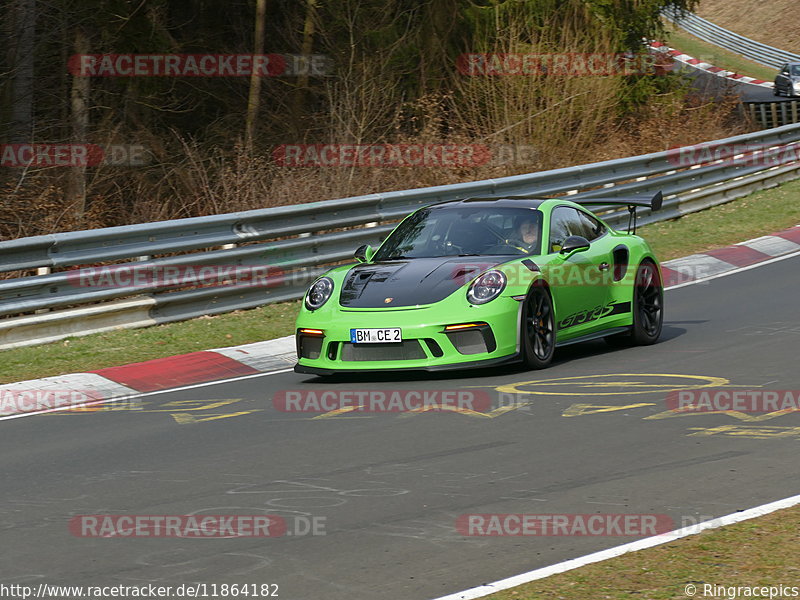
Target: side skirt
[[593, 336]]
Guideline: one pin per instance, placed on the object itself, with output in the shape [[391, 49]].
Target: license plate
[[376, 336]]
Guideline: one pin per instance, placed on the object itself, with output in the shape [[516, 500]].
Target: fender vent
[[621, 256]]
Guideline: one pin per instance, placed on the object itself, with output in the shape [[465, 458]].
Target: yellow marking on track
[[442, 408], [184, 405], [338, 412], [749, 431], [590, 384], [465, 411], [668, 414], [96, 408], [578, 410], [190, 419], [504, 409]]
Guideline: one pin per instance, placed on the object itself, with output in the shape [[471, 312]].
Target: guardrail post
[[43, 271]]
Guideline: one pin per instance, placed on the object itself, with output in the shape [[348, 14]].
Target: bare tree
[[79, 124], [299, 94], [254, 97], [22, 92]]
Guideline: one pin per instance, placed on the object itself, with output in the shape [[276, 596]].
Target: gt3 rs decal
[[593, 314]]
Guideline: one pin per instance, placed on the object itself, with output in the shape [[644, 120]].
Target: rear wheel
[[538, 335], [647, 308]]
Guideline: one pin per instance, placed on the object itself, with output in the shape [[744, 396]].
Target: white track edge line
[[657, 540]]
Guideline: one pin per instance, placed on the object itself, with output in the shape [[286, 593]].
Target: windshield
[[464, 231], [795, 70]]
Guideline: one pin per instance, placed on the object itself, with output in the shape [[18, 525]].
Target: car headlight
[[318, 293], [487, 287]]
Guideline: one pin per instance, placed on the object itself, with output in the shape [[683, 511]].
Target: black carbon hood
[[410, 282]]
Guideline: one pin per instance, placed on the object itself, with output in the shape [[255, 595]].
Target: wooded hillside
[[353, 72]]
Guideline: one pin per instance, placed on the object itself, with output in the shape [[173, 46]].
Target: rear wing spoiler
[[631, 202]]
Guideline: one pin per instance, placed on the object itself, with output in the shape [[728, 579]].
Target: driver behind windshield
[[526, 233]]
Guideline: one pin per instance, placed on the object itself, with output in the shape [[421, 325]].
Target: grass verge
[[758, 552], [758, 214], [719, 57]]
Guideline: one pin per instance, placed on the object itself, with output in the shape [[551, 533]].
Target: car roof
[[501, 201]]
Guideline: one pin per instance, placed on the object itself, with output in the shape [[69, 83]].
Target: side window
[[593, 228], [785, 70], [564, 222]]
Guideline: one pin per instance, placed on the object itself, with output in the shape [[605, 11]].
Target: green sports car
[[480, 282]]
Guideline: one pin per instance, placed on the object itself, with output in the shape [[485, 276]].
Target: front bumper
[[426, 346], [476, 364]]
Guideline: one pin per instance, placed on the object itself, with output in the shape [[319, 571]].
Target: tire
[[537, 329], [647, 307]]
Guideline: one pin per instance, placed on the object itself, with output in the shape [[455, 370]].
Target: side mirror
[[364, 253], [574, 243]]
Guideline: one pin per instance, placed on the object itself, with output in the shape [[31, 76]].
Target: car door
[[577, 282]]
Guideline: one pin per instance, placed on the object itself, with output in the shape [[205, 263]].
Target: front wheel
[[538, 332]]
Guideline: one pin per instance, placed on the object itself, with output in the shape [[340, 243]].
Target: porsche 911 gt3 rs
[[482, 282]]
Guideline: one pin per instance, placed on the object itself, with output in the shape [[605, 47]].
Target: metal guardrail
[[298, 242], [751, 49]]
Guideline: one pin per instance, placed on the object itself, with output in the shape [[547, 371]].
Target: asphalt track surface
[[712, 85], [390, 486]]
